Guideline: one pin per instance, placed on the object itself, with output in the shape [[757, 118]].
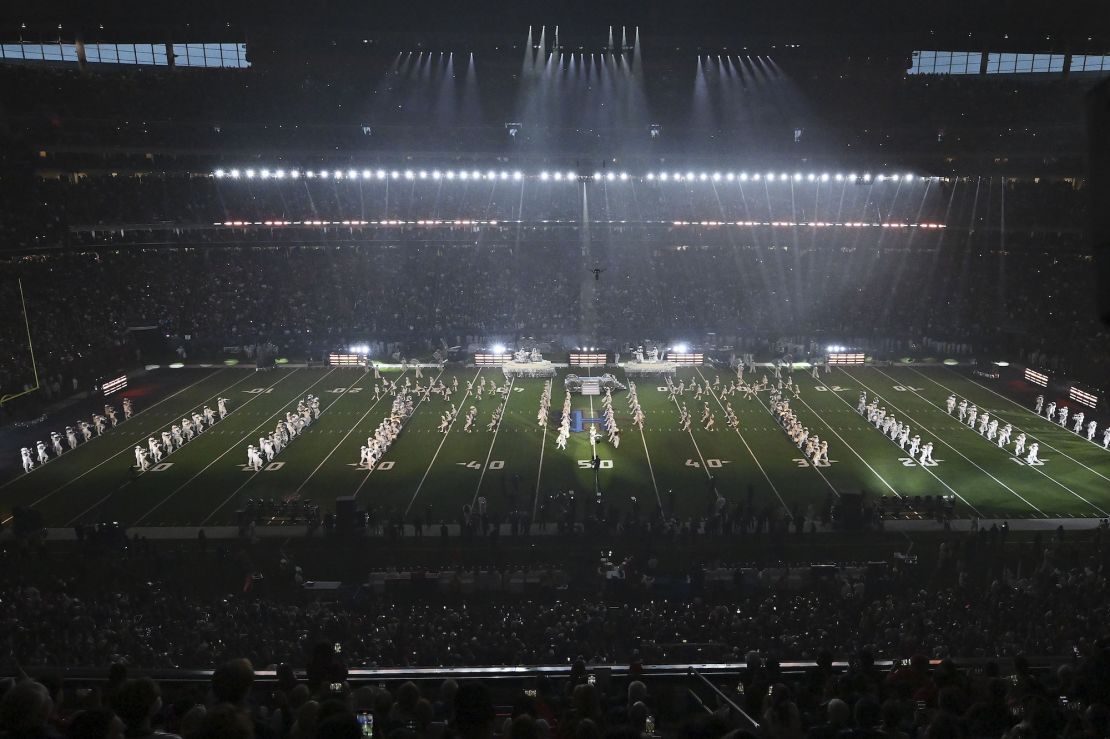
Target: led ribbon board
[[1036, 378], [114, 385], [1081, 396], [346, 360], [686, 359], [490, 360], [588, 359], [847, 358]]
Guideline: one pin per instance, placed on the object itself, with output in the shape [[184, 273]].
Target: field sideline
[[432, 475]]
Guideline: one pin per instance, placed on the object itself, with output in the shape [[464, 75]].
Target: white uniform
[[155, 449], [56, 442], [140, 459], [1019, 445], [1078, 420], [126, 408], [41, 449], [1091, 430], [1032, 458], [1062, 415], [1050, 411], [915, 442], [927, 453], [1106, 438], [951, 403], [221, 405], [1039, 405], [28, 463], [71, 437], [85, 430], [1004, 435]]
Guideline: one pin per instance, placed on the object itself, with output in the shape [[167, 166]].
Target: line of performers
[[545, 404], [897, 431], [609, 419], [100, 423], [1077, 420], [815, 449], [634, 406], [269, 446], [564, 424], [989, 428], [378, 443], [178, 435]]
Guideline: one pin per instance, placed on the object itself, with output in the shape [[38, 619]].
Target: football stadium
[[544, 371]]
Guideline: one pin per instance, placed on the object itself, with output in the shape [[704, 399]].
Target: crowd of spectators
[[982, 603]]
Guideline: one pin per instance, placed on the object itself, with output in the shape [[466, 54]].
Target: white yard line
[[1042, 418], [750, 451], [942, 441], [892, 441], [346, 435], [234, 445], [772, 415], [438, 449], [254, 474], [539, 473], [496, 431], [1005, 451], [129, 448], [109, 434], [843, 440]]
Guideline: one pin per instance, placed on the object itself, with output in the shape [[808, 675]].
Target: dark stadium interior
[[287, 209]]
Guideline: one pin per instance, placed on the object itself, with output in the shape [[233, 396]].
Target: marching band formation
[[100, 423]]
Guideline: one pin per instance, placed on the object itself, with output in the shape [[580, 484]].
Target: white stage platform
[[542, 368], [649, 368]]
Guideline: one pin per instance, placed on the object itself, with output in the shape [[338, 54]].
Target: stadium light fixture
[[811, 177], [294, 174], [544, 176], [394, 174], [219, 174], [450, 174], [867, 177], [464, 175], [436, 174], [324, 173], [880, 178], [498, 349], [279, 174], [681, 348], [422, 174], [234, 174], [716, 176], [491, 175], [650, 176], [743, 176], [824, 176], [572, 176], [756, 176], [409, 174], [624, 176], [264, 174], [770, 176], [839, 177], [797, 177], [352, 174], [610, 177], [908, 177], [504, 175], [309, 174], [518, 176], [558, 176], [250, 174], [690, 176], [730, 176], [703, 177], [678, 177]]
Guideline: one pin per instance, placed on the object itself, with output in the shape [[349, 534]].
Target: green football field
[[519, 465]]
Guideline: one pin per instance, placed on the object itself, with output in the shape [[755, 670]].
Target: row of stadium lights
[[470, 222], [557, 176]]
